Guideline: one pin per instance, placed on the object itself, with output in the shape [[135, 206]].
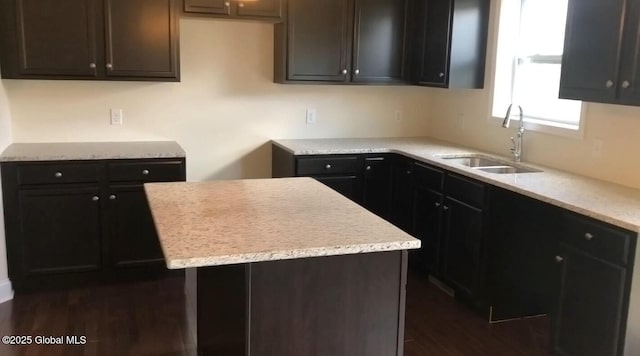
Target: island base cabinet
[[591, 302], [337, 305]]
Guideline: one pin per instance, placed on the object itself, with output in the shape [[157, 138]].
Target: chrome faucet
[[516, 150]]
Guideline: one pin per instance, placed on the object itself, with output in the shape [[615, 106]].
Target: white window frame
[[504, 54]]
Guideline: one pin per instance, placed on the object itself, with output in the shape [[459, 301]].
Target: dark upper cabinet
[[89, 39], [448, 42], [379, 41], [270, 10], [141, 38], [602, 52], [339, 41], [592, 50]]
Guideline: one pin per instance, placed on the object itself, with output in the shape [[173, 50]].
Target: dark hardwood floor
[[147, 318]]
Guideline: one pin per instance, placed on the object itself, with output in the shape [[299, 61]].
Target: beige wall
[[462, 116], [5, 140], [223, 112]]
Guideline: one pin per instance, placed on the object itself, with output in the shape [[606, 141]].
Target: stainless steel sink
[[488, 164]]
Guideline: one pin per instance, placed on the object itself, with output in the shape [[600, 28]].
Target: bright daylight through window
[[528, 61]]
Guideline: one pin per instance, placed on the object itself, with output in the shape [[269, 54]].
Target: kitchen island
[[283, 267]]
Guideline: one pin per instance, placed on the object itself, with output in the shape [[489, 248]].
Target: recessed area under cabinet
[[90, 39], [341, 41]]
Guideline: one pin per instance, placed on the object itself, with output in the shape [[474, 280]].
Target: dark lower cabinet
[[376, 185], [590, 305], [594, 264], [345, 185], [462, 236], [427, 215], [133, 240], [70, 223], [60, 231], [402, 200]]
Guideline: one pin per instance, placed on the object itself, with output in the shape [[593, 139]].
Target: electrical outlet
[[398, 115], [116, 117], [312, 116]]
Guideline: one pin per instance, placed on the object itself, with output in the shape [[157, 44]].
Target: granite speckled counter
[[615, 204], [68, 151], [242, 221]]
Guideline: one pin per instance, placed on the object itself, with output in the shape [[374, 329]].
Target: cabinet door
[[592, 50], [345, 185], [133, 240], [56, 38], [379, 34], [402, 206], [142, 38], [427, 214], [217, 7], [318, 40], [267, 9], [432, 39], [462, 240], [630, 57], [60, 230], [590, 303], [376, 195]]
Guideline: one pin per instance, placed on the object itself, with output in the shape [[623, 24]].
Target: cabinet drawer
[[428, 177], [327, 165], [596, 238], [465, 190], [146, 171], [58, 173]]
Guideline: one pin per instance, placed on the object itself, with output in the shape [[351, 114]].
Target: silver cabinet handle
[[344, 71], [109, 66], [368, 168], [409, 171], [445, 208], [626, 84], [357, 71], [92, 65], [559, 259], [227, 3], [441, 75], [95, 198], [58, 174], [437, 204], [145, 172], [112, 197], [328, 166], [241, 5], [609, 83], [588, 236]]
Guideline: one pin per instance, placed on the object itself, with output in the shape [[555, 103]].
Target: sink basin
[[488, 164]]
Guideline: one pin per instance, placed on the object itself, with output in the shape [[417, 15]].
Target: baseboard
[[445, 288], [6, 292]]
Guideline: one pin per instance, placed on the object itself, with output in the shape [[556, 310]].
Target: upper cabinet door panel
[[379, 41], [142, 38], [433, 37], [630, 61], [592, 50], [56, 37], [260, 9], [318, 40], [218, 7]]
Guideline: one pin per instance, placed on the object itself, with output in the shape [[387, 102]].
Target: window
[[528, 61]]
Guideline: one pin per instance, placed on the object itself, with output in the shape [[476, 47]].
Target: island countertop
[[240, 221], [66, 151]]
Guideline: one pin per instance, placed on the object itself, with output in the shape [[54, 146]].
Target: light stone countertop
[[66, 151], [608, 202], [239, 221]]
